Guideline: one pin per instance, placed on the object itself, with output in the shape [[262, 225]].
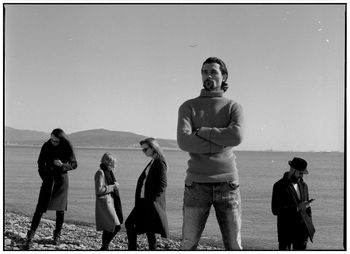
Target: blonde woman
[[108, 208], [149, 214]]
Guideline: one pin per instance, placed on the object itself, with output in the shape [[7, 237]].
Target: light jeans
[[198, 198]]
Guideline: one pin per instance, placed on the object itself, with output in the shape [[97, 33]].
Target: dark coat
[[54, 189], [291, 224], [150, 212]]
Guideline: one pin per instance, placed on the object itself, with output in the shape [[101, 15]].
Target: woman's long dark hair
[[61, 135]]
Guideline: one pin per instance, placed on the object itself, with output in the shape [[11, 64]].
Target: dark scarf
[[110, 180]]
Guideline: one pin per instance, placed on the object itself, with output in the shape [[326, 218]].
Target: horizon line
[[171, 148], [252, 150]]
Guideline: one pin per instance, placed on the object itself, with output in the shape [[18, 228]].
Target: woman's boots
[[35, 223], [107, 237], [59, 224], [56, 237], [28, 244], [30, 235], [152, 241]]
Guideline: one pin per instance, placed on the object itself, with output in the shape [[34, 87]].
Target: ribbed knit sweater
[[219, 121]]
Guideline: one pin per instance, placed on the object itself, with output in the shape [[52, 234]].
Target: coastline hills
[[100, 138], [90, 138]]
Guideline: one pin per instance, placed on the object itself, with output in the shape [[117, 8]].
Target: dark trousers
[[108, 236], [130, 225], [296, 242], [297, 245], [37, 217]]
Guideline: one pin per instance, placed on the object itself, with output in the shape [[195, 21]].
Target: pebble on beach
[[73, 237]]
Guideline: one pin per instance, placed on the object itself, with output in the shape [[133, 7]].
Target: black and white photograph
[[132, 126]]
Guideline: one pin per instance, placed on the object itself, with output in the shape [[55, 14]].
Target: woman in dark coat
[[149, 214], [55, 160]]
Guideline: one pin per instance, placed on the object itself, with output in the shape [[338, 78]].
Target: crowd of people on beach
[[209, 127]]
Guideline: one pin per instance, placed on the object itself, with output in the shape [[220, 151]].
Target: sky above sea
[[128, 67]]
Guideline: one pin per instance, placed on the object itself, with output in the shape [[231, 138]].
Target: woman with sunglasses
[[108, 208], [56, 158], [149, 214]]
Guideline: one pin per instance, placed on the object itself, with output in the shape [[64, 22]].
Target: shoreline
[[93, 147], [169, 149]]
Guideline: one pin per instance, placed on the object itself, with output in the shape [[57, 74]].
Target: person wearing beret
[[291, 204]]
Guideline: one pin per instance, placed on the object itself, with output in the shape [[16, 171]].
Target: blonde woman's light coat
[[105, 212]]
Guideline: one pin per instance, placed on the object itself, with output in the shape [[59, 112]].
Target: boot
[[57, 231], [105, 240], [35, 223], [28, 244], [132, 237], [152, 241], [56, 237], [105, 247], [105, 243]]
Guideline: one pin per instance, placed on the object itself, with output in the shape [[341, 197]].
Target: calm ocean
[[258, 172]]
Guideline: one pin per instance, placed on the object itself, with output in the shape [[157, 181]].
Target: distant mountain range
[[88, 138]]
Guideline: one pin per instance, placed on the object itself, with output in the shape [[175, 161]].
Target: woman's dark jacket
[[151, 211], [291, 224], [54, 189]]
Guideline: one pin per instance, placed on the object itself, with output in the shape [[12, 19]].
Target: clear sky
[[130, 67]]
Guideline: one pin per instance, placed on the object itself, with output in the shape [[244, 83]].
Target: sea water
[[258, 172]]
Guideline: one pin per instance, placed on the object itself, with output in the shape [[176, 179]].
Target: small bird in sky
[[193, 45]]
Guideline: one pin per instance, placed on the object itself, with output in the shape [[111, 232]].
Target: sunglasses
[[145, 149]]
